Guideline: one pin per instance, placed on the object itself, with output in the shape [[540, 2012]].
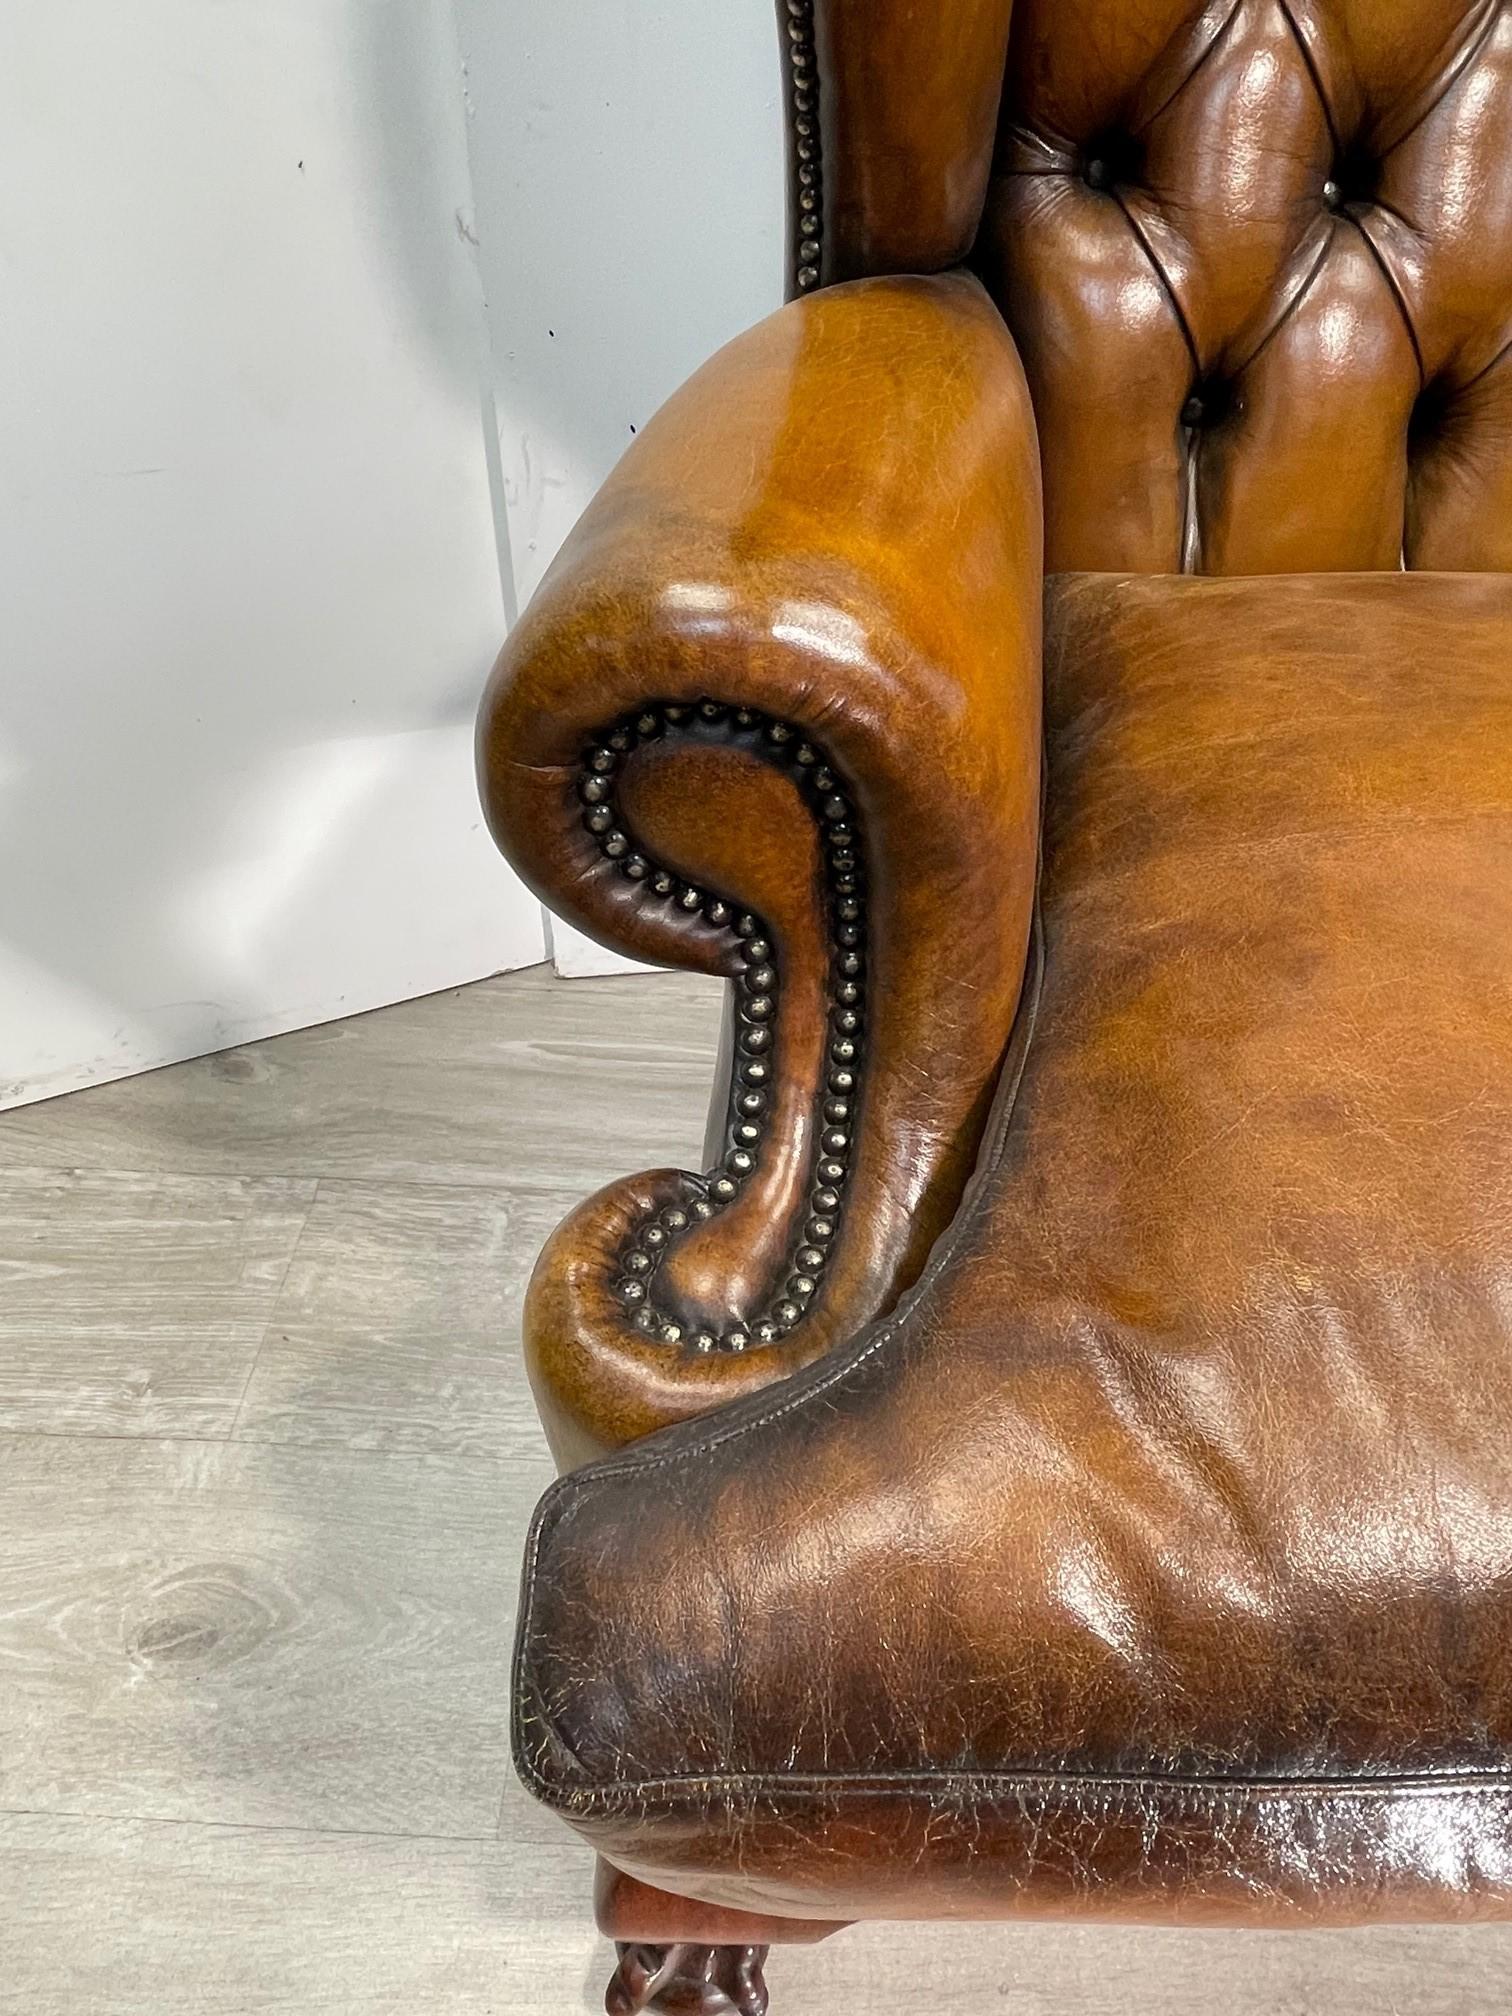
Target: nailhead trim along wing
[[757, 996], [803, 72]]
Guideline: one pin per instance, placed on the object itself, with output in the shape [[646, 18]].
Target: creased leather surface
[[1257, 256], [1157, 1559], [835, 521]]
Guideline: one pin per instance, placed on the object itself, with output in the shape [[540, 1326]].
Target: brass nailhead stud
[[759, 1007]]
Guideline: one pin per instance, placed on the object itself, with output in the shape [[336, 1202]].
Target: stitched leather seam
[[1390, 209], [1220, 35], [1476, 38], [1167, 285], [1312, 70], [1058, 152], [1191, 527], [602, 1796], [1298, 297], [1486, 369], [1397, 296]]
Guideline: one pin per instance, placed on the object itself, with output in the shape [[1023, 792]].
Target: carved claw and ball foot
[[688, 1981]]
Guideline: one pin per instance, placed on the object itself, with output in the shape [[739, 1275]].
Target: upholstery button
[[1429, 416], [1208, 402], [1356, 177], [1112, 160]]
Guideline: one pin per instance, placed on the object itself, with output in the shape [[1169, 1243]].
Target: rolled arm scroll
[[774, 715]]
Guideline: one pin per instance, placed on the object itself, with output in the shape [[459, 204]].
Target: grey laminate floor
[[266, 1458]]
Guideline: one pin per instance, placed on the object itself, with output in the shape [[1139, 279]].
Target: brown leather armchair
[[1072, 1417]]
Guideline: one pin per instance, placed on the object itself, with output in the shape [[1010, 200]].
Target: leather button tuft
[[1355, 179], [1112, 160], [1429, 416], [1207, 403]]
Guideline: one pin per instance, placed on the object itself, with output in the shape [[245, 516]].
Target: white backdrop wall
[[251, 573], [628, 182], [273, 479]]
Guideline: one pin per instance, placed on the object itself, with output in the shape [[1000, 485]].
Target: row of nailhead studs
[[756, 1014], [800, 32]]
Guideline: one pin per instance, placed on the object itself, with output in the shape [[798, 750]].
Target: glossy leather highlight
[[1257, 257], [835, 523]]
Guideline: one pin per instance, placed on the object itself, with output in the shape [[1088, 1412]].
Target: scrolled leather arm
[[775, 714]]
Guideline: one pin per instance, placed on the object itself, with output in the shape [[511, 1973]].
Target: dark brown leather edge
[[625, 1908]]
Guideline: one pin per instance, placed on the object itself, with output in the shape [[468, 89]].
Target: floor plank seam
[[293, 1445], [486, 1185], [273, 1306], [490, 1840]]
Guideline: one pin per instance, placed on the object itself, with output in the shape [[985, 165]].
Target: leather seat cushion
[[1156, 1559]]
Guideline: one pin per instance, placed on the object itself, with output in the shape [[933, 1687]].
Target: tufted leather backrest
[[1258, 259]]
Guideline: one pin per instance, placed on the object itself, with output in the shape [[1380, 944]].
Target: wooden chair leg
[[688, 1981], [680, 1957]]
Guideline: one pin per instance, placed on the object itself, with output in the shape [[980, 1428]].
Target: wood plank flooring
[[266, 1459]]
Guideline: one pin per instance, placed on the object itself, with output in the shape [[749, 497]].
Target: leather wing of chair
[[1072, 1422]]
